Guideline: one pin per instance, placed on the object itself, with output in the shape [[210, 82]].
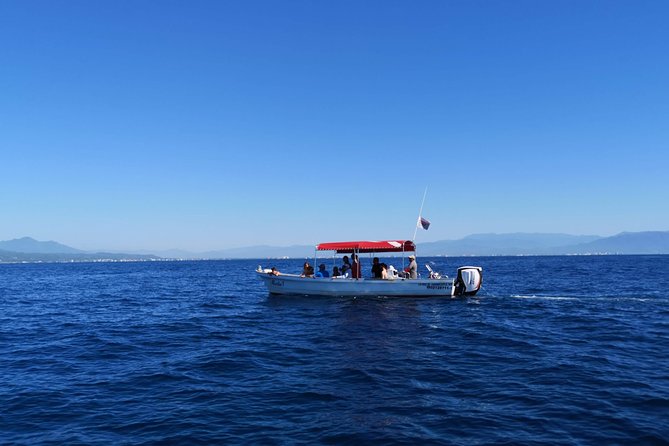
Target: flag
[[423, 223]]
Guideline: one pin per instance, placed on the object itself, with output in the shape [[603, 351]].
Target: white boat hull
[[293, 284]]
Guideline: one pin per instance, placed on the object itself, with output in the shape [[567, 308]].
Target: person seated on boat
[[376, 268], [346, 267], [384, 271], [274, 272], [335, 272], [307, 271], [322, 272], [356, 271]]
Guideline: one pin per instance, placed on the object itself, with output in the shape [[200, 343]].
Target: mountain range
[[28, 245], [649, 242], [27, 249]]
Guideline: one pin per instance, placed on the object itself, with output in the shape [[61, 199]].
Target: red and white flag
[[423, 223]]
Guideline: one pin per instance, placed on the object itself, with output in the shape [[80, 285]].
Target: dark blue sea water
[[554, 350]]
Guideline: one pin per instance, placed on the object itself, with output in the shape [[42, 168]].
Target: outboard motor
[[469, 280]]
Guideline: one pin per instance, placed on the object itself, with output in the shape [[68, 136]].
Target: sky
[[205, 125]]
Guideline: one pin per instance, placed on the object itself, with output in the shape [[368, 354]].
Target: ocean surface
[[553, 350]]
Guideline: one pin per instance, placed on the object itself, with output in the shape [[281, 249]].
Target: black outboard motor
[[469, 280]]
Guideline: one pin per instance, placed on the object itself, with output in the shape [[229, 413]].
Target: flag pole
[[419, 214]]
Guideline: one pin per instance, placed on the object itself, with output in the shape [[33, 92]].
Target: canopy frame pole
[[315, 258], [357, 268]]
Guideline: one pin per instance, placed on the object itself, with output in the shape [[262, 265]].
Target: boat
[[467, 281]]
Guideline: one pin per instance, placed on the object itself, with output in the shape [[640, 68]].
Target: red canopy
[[369, 246]]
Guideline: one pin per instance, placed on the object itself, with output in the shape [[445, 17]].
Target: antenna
[[419, 214]]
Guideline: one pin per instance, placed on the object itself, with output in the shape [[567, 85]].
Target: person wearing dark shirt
[[308, 270], [376, 268]]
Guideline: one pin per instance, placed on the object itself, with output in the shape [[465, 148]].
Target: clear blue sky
[[208, 124]]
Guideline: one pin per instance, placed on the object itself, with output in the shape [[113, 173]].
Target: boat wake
[[597, 298], [534, 296]]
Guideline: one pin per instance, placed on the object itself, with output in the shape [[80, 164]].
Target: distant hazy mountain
[[655, 242], [503, 244], [651, 242], [30, 245], [494, 244], [27, 249]]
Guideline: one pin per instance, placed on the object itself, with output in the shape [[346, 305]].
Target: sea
[[565, 350]]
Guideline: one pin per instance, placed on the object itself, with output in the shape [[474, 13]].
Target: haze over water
[[554, 350]]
